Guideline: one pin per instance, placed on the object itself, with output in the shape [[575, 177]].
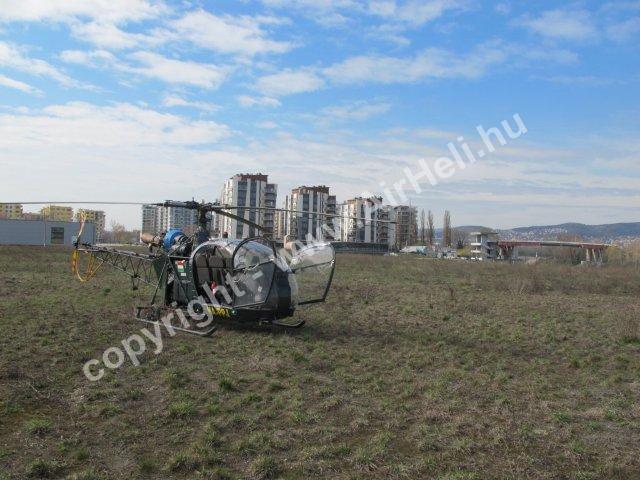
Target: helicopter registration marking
[[219, 311]]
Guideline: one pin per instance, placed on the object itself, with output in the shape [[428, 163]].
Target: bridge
[[508, 249]]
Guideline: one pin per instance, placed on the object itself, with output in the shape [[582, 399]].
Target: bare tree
[[431, 229], [447, 238], [422, 227], [459, 238]]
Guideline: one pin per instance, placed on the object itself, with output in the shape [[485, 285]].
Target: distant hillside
[[610, 231]]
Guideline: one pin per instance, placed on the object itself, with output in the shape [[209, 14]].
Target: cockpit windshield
[[252, 253]]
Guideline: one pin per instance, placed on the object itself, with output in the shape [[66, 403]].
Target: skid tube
[[155, 321]]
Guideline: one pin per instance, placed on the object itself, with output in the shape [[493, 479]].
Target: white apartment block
[[314, 223], [357, 224], [248, 190], [157, 219]]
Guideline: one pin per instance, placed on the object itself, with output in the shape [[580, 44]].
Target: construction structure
[[488, 246], [508, 249]]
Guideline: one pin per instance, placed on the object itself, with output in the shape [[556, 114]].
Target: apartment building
[[157, 219], [404, 231], [57, 213], [309, 209], [248, 190], [97, 217], [358, 220], [11, 211]]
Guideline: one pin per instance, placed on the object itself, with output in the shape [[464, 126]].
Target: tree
[[422, 227], [119, 232], [431, 229], [447, 238], [459, 238]]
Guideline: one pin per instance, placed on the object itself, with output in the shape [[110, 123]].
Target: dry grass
[[413, 369]]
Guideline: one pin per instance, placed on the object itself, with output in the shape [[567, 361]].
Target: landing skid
[[299, 324], [152, 319]]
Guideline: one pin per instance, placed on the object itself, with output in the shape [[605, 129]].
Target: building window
[[57, 236]]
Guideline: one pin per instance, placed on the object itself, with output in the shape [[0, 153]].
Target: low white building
[[484, 246]]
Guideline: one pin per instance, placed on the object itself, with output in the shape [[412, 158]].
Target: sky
[[145, 100]]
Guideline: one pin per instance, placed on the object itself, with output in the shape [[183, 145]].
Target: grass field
[[413, 368]]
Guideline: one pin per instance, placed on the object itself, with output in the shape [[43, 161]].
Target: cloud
[[67, 10], [625, 30], [17, 85], [289, 82], [361, 110], [14, 58], [154, 66], [228, 34], [177, 101], [430, 63], [249, 101], [88, 58], [83, 124], [173, 71], [577, 25], [413, 12], [109, 35]]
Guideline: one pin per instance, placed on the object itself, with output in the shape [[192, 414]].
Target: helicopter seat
[[210, 269]]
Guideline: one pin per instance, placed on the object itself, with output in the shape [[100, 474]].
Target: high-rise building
[[11, 211], [97, 217], [281, 222], [177, 217], [315, 223], [57, 213], [358, 221], [150, 219], [157, 219], [270, 198], [248, 190], [404, 231]]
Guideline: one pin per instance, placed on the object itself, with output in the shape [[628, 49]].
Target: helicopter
[[243, 280]]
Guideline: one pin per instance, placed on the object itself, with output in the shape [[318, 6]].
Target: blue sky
[[143, 100]]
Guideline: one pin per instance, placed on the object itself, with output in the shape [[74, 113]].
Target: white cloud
[[249, 101], [83, 124], [625, 30], [109, 35], [12, 57], [153, 65], [431, 63], [356, 110], [87, 58], [177, 101], [66, 10], [228, 34], [562, 24], [289, 82], [18, 85], [173, 71], [413, 12]]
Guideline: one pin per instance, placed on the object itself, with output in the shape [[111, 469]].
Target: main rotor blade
[[78, 203], [306, 212], [239, 219]]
